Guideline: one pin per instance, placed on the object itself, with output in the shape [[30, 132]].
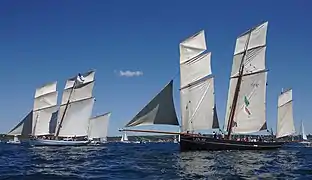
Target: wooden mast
[[63, 115], [237, 88]]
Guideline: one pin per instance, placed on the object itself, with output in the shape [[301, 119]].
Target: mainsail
[[45, 106], [99, 126], [196, 86], [76, 106], [285, 121], [245, 112]]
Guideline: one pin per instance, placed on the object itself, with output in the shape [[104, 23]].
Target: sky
[[134, 48]]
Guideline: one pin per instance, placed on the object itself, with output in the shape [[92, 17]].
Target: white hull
[[14, 142], [47, 142], [97, 142]]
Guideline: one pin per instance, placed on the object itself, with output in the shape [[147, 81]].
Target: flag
[[246, 106], [80, 79]]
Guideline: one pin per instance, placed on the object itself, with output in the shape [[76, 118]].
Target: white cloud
[[128, 73]]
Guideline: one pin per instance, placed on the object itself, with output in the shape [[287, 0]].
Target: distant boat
[[124, 138], [14, 141], [98, 129], [245, 111], [73, 115], [304, 138]]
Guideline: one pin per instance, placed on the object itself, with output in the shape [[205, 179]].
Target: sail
[[250, 113], [192, 46], [45, 105], [304, 136], [285, 121], [160, 110], [75, 121], [24, 127], [99, 126], [197, 90]]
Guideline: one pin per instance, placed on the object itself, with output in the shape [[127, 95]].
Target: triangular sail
[[75, 112], [304, 136], [99, 126], [197, 90], [285, 121], [45, 105], [160, 110], [249, 56], [23, 128]]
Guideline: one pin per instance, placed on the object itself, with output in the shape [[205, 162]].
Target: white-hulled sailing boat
[[304, 138], [285, 120], [73, 115], [124, 138], [98, 128], [245, 111]]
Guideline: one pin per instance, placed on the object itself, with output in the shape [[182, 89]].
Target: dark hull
[[202, 143]]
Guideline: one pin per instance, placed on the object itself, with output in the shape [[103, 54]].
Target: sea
[[151, 161]]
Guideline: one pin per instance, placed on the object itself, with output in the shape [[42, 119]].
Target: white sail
[[45, 105], [24, 127], [160, 110], [81, 92], [197, 91], [99, 126], [304, 136], [124, 137], [197, 103], [76, 119], [250, 110], [285, 121], [192, 46]]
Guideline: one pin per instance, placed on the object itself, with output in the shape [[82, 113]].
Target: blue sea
[[150, 161]]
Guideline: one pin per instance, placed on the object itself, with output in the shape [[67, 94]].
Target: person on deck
[[214, 135]]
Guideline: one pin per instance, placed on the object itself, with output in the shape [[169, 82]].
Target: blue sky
[[44, 41]]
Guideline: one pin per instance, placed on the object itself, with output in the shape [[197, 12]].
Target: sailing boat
[[124, 138], [304, 137], [98, 128], [73, 114], [246, 100], [245, 111]]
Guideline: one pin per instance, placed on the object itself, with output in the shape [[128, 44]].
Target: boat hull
[[47, 142], [201, 143]]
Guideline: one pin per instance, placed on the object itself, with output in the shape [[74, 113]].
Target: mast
[[66, 106], [238, 84]]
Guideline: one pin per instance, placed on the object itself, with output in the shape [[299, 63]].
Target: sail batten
[[160, 110], [249, 114], [285, 122]]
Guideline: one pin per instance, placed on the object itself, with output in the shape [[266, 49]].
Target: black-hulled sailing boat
[[245, 111]]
